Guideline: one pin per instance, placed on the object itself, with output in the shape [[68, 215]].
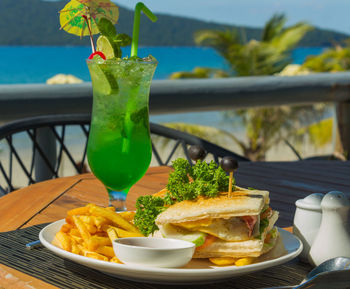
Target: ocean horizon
[[36, 64]]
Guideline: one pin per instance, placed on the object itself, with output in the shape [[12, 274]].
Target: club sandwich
[[237, 225]]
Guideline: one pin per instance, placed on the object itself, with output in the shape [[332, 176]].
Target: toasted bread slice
[[240, 203], [220, 248]]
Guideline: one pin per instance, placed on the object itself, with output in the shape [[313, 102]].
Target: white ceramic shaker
[[333, 237], [307, 221]]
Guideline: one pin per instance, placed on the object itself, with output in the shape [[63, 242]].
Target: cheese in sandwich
[[240, 225]]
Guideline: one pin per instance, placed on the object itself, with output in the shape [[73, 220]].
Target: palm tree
[[265, 57], [265, 127]]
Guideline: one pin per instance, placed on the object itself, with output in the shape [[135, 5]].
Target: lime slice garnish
[[105, 46]]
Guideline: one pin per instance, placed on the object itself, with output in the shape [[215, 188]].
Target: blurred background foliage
[[332, 60], [267, 127]]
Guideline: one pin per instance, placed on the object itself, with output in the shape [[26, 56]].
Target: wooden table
[[49, 201]]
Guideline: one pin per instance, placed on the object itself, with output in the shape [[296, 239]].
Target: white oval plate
[[198, 270]]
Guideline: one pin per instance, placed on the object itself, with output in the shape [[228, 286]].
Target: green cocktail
[[119, 147]]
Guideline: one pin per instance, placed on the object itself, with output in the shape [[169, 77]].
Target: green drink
[[119, 148]]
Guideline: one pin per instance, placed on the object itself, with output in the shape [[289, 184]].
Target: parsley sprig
[[207, 180], [186, 182], [147, 210]]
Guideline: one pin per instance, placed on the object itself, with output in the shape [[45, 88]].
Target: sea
[[31, 64]]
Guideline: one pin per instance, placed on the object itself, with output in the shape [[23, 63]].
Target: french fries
[[115, 218], [245, 261], [126, 234], [64, 240], [223, 261], [90, 230], [112, 234], [128, 215], [226, 261]]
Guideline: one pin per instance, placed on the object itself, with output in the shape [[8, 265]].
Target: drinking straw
[[91, 38], [136, 29]]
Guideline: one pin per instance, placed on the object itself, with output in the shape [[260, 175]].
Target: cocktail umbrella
[[79, 17]]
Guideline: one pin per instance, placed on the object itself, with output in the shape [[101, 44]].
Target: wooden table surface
[[49, 201]]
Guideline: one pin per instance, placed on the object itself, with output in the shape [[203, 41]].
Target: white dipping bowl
[[153, 252]]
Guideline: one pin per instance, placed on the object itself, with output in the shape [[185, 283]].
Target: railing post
[[343, 117], [47, 142]]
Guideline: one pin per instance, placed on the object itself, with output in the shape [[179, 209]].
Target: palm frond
[[273, 27], [217, 39], [290, 37]]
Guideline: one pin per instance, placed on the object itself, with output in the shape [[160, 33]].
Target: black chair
[[49, 142]]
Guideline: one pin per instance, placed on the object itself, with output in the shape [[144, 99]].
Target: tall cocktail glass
[[119, 147]]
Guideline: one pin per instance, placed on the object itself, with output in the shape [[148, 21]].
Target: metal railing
[[171, 96]]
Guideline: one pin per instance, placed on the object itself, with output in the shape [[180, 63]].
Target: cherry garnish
[[97, 53]]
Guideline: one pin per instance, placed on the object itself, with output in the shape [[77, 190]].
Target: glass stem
[[117, 199]]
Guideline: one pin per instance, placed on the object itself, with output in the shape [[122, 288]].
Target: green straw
[[136, 30]]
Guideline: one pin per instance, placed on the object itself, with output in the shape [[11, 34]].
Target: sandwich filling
[[233, 229], [228, 232]]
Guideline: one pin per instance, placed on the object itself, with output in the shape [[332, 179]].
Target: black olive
[[229, 164], [196, 152]]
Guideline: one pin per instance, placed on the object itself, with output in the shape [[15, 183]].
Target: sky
[[328, 14]]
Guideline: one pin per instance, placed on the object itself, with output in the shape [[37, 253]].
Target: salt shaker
[[307, 220], [333, 237]]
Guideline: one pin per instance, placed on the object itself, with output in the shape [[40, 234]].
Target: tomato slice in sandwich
[[209, 239]]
